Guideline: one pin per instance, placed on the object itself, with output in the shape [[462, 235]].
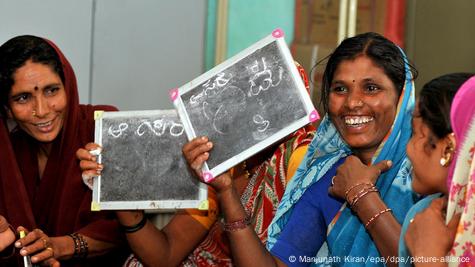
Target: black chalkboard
[[143, 164], [246, 103]]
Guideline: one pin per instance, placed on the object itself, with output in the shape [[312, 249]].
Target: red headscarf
[[59, 203]]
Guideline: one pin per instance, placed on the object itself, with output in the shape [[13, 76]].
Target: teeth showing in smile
[[44, 124], [357, 120]]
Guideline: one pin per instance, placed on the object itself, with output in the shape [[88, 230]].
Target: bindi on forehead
[[36, 88]]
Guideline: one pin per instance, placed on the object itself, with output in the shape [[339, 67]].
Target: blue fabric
[[348, 237], [315, 210], [418, 207]]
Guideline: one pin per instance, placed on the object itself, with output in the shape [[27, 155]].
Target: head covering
[[462, 176], [347, 236], [59, 203]]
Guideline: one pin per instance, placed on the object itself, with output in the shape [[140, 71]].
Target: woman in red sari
[[41, 189]]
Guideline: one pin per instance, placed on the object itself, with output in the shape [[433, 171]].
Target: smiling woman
[[40, 180], [362, 106], [350, 194], [37, 101]]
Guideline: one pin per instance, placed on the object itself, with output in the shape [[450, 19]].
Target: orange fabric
[[206, 217], [294, 162]]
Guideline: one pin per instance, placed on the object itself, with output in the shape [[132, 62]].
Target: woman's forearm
[[246, 247], [167, 247], [382, 226], [64, 247]]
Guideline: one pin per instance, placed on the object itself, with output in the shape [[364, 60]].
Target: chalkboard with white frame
[[143, 163], [245, 104]]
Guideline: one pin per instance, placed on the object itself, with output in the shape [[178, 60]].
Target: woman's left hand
[[353, 172], [39, 246], [90, 168]]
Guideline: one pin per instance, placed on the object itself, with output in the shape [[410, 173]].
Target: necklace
[[246, 171], [246, 195]]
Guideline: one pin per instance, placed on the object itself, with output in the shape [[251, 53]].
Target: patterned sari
[[462, 177], [346, 235], [260, 199]]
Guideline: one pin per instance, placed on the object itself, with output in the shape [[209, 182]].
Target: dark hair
[[380, 50], [16, 52], [435, 100]]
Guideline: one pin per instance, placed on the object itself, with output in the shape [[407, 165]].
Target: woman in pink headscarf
[[448, 235]]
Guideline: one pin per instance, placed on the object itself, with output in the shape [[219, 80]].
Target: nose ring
[[34, 113]]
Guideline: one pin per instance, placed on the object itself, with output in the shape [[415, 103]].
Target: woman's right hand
[[427, 234], [7, 236], [196, 152], [38, 246], [88, 163]]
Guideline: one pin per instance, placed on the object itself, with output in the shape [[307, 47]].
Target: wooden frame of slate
[[245, 104], [143, 163]]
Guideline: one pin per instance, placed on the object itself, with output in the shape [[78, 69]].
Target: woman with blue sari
[[351, 192]]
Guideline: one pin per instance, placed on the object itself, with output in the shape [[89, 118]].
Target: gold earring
[[444, 162], [449, 152]]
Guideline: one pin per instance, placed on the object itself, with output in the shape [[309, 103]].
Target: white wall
[[142, 49], [65, 22], [127, 53]]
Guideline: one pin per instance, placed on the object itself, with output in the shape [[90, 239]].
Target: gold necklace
[[245, 170]]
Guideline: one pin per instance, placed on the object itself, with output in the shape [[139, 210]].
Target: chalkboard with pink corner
[[245, 104]]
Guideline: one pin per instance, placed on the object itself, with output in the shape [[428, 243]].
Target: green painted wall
[[248, 22], [251, 20]]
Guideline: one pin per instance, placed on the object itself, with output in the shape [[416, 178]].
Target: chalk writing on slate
[[245, 104], [143, 163]]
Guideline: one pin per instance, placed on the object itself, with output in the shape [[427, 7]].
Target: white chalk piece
[[95, 152]]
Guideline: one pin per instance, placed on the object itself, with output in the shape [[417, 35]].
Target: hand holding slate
[[88, 163], [196, 152]]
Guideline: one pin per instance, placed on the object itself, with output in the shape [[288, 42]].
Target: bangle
[[81, 248], [372, 219], [354, 186], [237, 225], [361, 195], [134, 228]]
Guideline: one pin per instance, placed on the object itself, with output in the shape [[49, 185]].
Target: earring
[[444, 162], [449, 152]]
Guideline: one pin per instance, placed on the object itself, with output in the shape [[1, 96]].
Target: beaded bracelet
[[361, 195], [81, 248], [372, 219], [134, 228], [237, 225], [354, 186]]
